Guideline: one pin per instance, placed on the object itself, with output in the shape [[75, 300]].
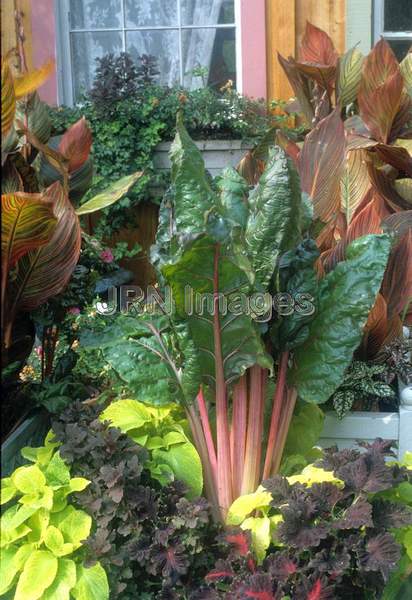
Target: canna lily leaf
[[346, 295], [274, 217], [112, 194], [76, 143], [354, 182], [37, 115], [31, 81], [300, 86], [44, 272], [317, 47], [321, 163], [349, 76], [380, 92], [8, 99], [406, 70], [27, 223]]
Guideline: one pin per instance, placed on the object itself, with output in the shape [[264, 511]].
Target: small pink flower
[[39, 351], [107, 256], [74, 310]]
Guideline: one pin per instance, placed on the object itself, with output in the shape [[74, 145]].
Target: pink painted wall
[[253, 45], [44, 44]]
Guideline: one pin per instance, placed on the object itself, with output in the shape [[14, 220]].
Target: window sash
[[379, 22]]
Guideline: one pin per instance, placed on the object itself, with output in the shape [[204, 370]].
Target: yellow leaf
[[29, 82], [311, 475], [8, 99]]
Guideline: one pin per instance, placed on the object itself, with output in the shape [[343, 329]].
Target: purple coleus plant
[[334, 541]]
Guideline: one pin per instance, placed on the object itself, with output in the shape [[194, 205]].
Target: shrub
[[339, 530], [42, 534], [149, 538]]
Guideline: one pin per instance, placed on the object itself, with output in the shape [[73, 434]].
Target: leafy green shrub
[[337, 531], [149, 538], [42, 535]]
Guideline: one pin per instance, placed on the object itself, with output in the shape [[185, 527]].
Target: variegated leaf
[[8, 99], [76, 143], [349, 76], [44, 272], [114, 192], [354, 182]]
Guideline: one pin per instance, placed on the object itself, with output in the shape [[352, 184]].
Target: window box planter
[[367, 426], [217, 154], [31, 432]]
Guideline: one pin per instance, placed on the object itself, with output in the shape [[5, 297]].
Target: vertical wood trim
[[329, 15], [281, 37], [9, 28]]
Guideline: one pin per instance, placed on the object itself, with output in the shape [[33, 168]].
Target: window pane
[[86, 47], [400, 47], [163, 45], [95, 14], [398, 15], [149, 13], [207, 12], [214, 49]]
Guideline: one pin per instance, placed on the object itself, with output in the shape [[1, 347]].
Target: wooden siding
[[285, 26], [9, 28]]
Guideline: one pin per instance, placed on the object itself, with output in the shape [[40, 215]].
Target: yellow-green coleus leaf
[[38, 574], [312, 474], [29, 480], [8, 489], [260, 528], [245, 505]]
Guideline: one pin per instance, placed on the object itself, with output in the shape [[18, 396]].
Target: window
[[181, 34], [393, 21]]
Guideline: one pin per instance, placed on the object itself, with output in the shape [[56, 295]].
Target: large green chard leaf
[[193, 194], [194, 276], [275, 215], [298, 279], [346, 295]]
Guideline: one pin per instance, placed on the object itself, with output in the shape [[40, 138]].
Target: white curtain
[[198, 45]]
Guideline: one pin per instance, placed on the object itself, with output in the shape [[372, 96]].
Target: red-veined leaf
[[300, 86], [27, 223], [384, 186], [76, 143], [31, 81], [321, 162], [8, 99], [397, 281], [380, 91], [396, 156], [404, 189], [406, 70], [44, 272], [376, 328], [316, 592], [317, 47], [289, 146], [322, 74]]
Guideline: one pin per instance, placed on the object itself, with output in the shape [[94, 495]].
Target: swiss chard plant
[[43, 534], [340, 529], [150, 538], [231, 256], [358, 115]]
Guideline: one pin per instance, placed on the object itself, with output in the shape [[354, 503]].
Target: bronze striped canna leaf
[[27, 223], [321, 163], [8, 99], [112, 194], [76, 143], [44, 272]]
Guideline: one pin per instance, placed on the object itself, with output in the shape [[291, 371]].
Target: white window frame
[[63, 44], [379, 22]]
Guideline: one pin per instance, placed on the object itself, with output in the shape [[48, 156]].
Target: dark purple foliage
[[336, 542], [150, 539]]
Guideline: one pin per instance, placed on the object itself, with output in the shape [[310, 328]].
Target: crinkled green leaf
[[346, 295], [275, 215]]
